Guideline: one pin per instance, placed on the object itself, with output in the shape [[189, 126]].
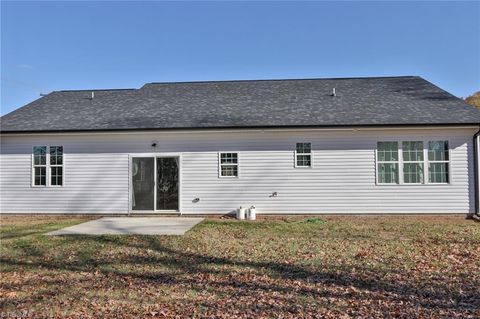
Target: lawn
[[332, 266]]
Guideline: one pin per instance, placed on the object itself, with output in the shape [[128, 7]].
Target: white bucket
[[241, 213], [252, 213]]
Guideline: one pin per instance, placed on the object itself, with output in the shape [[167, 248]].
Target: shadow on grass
[[186, 267], [16, 233]]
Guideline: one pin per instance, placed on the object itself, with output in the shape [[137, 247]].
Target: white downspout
[[476, 141]]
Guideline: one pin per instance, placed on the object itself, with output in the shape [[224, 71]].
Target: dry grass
[[302, 267]]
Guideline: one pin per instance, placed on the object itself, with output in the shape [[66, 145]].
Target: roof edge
[[219, 128]]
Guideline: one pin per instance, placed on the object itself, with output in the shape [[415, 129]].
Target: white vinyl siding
[[341, 181]]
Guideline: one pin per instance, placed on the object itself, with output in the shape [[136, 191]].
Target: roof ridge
[[246, 80], [287, 79], [95, 90]]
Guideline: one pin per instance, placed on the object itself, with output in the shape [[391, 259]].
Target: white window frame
[[47, 167], [377, 162], [422, 162], [296, 154], [228, 164], [35, 166], [428, 161], [425, 162], [55, 165]]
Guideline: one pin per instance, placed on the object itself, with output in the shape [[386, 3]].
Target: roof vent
[[334, 92], [93, 95]]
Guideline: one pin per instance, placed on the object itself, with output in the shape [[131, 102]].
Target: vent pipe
[[334, 92], [93, 95]]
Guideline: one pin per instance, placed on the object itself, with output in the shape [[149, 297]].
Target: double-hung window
[[438, 162], [413, 162], [303, 155], [228, 164], [387, 162], [56, 165], [40, 166], [47, 166]]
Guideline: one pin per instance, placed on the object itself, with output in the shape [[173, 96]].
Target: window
[[40, 166], [56, 165], [387, 162], [412, 162], [47, 164], [303, 155], [438, 162], [228, 164], [415, 162]]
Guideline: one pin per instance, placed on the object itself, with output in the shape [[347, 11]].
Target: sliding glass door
[[143, 180], [155, 183], [167, 181]]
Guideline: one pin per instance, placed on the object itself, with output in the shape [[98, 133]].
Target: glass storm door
[[143, 180], [167, 183]]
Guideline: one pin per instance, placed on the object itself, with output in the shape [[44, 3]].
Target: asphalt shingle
[[258, 103]]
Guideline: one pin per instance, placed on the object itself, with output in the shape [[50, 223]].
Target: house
[[348, 145]]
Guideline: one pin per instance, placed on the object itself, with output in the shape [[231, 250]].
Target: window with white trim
[[56, 165], [303, 155], [387, 162], [40, 166], [228, 164], [438, 162], [47, 167], [413, 163]]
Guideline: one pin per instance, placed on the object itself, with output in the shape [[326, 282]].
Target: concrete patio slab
[[131, 226]]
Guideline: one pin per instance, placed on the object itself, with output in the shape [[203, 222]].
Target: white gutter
[[241, 130]]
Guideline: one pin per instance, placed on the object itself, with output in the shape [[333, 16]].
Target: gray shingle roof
[[405, 100]]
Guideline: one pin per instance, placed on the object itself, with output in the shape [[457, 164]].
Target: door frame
[[130, 181]]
